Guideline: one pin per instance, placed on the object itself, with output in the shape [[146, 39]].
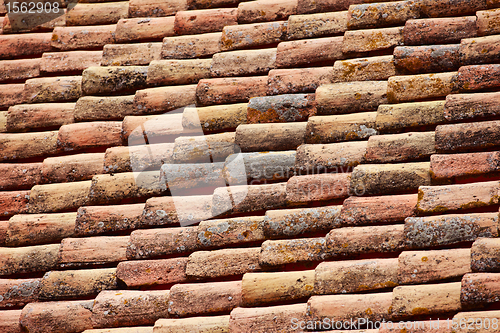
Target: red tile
[[127, 159], [364, 69], [237, 230], [10, 320], [319, 25], [215, 118], [375, 210], [405, 147], [372, 39], [449, 166], [427, 59], [20, 176], [11, 94], [152, 272], [378, 15], [157, 129], [244, 62], [243, 36], [136, 29], [18, 292], [423, 86], [424, 232], [130, 54], [297, 80], [72, 167], [30, 116], [479, 50], [74, 38], [191, 46], [230, 90], [337, 157], [59, 197], [29, 259], [270, 137], [164, 99], [89, 108], [484, 252], [26, 145], [203, 21], [170, 72], [488, 22], [321, 187], [470, 106], [393, 117], [19, 69], [14, 202], [302, 52], [54, 89], [33, 229], [436, 8], [290, 251], [281, 108], [89, 135], [203, 149], [478, 77], [95, 220], [97, 13], [57, 317], [266, 10], [60, 62], [148, 8], [482, 316], [129, 308], [439, 30], [77, 252], [320, 6], [108, 80], [14, 46], [181, 325], [451, 138]]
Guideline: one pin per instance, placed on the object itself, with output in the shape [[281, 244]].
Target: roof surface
[[262, 166]]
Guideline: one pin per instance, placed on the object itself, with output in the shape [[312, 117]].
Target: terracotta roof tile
[[160, 242], [16, 293], [230, 90], [72, 167], [11, 94], [54, 89], [434, 199], [479, 50], [130, 54], [281, 108], [20, 176], [469, 106], [155, 8], [59, 197], [378, 15], [66, 316], [374, 210], [129, 307], [375, 307], [293, 222], [136, 29], [338, 128], [320, 187], [249, 35], [181, 325], [320, 25], [266, 166], [481, 135], [77, 252], [204, 21], [89, 135], [19, 69], [270, 137], [412, 146], [14, 202], [158, 129], [16, 45], [243, 62], [205, 149], [261, 288], [3, 121], [89, 108], [76, 283], [30, 116], [477, 77], [423, 232], [29, 259], [427, 59], [307, 6], [288, 251], [351, 276], [452, 166], [215, 118], [340, 98], [141, 157], [183, 177], [302, 52], [204, 298], [113, 188], [106, 80], [266, 10], [163, 99], [191, 46], [418, 267], [484, 252], [174, 210], [96, 220], [435, 8], [422, 86], [225, 262], [373, 239], [168, 72], [429, 326], [137, 273], [239, 230], [439, 30], [429, 299], [85, 37], [364, 69], [97, 13], [202, 4], [480, 288], [26, 145], [136, 329], [265, 319], [484, 316], [487, 22], [334, 156], [297, 80], [408, 115], [53, 19], [258, 197], [372, 39], [36, 229]]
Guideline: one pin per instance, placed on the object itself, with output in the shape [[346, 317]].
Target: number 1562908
[[32, 7]]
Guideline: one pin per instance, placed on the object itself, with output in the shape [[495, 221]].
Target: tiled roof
[[251, 166]]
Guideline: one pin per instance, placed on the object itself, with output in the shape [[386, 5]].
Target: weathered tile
[[437, 8], [10, 319], [230, 90], [411, 146], [485, 317], [135, 29], [266, 10], [488, 22], [395, 117], [439, 30], [52, 198], [97, 13], [417, 87], [243, 62], [11, 94], [281, 108], [170, 72], [87, 37], [477, 77], [467, 136], [484, 255], [20, 176], [138, 273], [378, 15], [185, 210], [427, 58], [270, 137], [14, 202], [297, 80], [470, 106], [319, 187], [372, 39], [30, 116], [144, 8], [18, 292], [288, 251], [364, 69], [19, 69], [99, 250], [317, 25], [17, 45], [203, 21], [137, 158], [191, 46], [164, 99], [479, 50], [307, 7], [450, 166], [90, 108], [107, 80], [53, 89], [130, 54], [215, 118], [193, 324], [29, 259], [224, 232], [225, 262], [309, 51], [87, 135]]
